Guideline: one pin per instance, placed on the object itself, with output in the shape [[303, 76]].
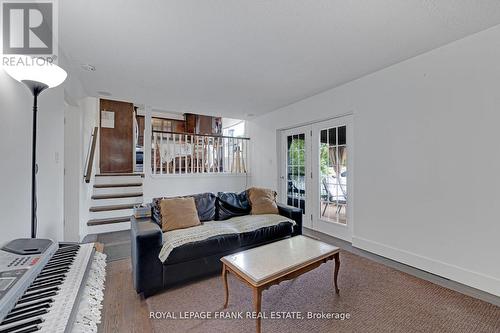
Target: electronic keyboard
[[50, 287]]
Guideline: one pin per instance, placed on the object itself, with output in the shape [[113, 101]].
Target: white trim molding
[[473, 279]]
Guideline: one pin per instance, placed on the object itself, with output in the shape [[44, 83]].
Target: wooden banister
[[90, 160]]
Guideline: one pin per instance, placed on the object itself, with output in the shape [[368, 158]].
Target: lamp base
[[26, 246]]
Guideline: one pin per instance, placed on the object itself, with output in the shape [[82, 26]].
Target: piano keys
[[65, 296]]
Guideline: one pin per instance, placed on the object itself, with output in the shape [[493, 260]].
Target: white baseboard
[[470, 278]]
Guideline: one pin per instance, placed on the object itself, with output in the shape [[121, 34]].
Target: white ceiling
[[235, 57]]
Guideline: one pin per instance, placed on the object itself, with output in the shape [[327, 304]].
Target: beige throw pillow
[[262, 200], [178, 213]]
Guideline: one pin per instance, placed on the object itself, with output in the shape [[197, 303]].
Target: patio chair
[[332, 198]]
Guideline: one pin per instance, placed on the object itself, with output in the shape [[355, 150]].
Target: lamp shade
[[36, 69]]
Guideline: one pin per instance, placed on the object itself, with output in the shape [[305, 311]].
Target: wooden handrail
[[90, 162], [205, 135]]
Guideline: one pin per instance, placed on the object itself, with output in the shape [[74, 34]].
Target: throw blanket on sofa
[[235, 225]]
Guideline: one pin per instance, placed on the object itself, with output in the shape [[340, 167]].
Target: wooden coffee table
[[270, 264]]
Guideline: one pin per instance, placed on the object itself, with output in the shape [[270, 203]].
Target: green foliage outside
[[296, 158], [324, 160]]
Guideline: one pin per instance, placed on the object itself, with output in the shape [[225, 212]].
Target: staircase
[[113, 197]]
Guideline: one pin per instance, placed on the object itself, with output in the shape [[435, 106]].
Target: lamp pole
[[36, 88], [34, 170], [37, 74]]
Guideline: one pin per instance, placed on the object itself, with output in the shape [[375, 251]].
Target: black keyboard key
[[64, 270], [23, 325], [27, 310], [65, 263], [45, 278], [52, 270], [19, 308], [43, 286], [38, 292], [30, 329], [25, 316], [36, 297], [50, 280]]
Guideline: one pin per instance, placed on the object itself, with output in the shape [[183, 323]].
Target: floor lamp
[[38, 75]]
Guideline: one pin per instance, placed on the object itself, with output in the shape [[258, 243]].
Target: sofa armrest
[[294, 214], [147, 269]]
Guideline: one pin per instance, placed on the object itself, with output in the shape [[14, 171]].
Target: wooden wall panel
[[117, 144]]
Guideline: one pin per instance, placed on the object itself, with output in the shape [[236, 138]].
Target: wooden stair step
[[111, 207], [119, 174], [116, 196], [117, 185], [110, 220]]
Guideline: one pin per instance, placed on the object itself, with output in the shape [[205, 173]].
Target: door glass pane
[[296, 186], [332, 136], [333, 175], [324, 136], [342, 135]]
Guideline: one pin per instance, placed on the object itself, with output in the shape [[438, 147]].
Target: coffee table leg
[[336, 256], [257, 299], [226, 289]]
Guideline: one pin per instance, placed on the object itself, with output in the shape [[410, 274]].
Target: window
[[296, 171], [333, 174], [236, 130], [167, 125]]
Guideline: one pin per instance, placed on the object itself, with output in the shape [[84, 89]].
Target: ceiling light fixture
[[88, 67], [104, 93]]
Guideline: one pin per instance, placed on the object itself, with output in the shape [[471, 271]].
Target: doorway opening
[[316, 174]]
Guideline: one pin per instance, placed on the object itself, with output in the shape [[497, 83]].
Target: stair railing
[[179, 153], [90, 156]]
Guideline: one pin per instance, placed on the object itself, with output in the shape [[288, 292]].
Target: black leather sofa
[[198, 259]]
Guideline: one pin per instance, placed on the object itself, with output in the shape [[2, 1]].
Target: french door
[[332, 177], [317, 175], [294, 185]]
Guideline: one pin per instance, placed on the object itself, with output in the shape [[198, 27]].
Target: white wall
[[72, 163], [89, 111], [160, 186], [427, 161], [15, 169]]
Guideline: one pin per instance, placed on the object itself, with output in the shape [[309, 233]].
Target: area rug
[[373, 298]]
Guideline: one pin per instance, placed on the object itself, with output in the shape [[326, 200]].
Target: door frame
[[283, 169], [310, 220], [335, 229]]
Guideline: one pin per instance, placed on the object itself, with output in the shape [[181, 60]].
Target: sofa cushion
[[205, 206], [208, 230], [262, 200], [225, 243], [178, 213], [205, 248], [230, 204], [266, 234]]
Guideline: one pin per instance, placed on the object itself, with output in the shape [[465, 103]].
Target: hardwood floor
[[124, 310]]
